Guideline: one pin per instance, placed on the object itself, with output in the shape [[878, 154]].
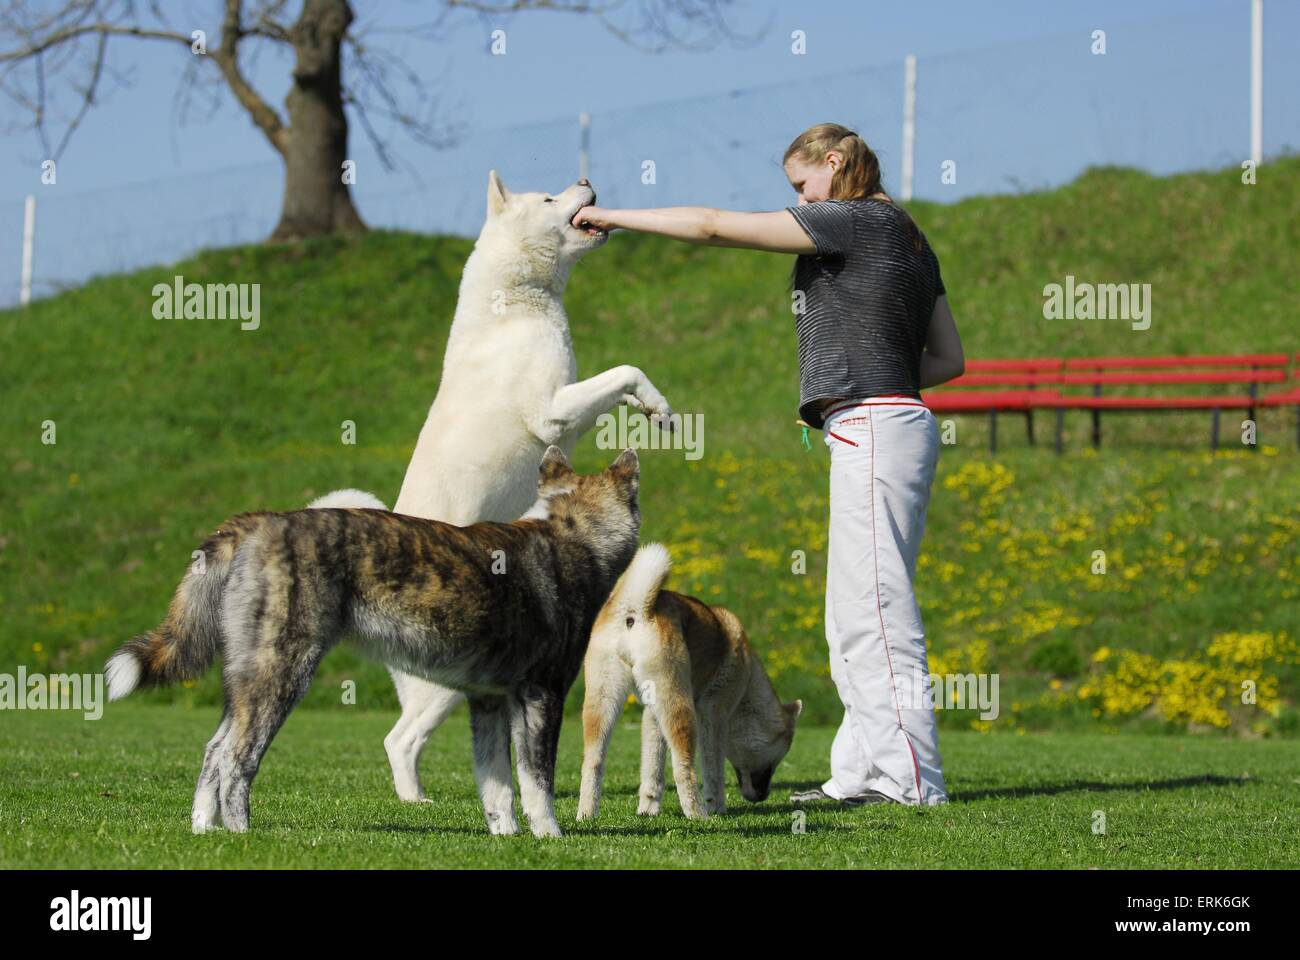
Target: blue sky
[[1009, 93], [559, 64]]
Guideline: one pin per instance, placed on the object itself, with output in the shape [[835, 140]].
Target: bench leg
[[1060, 430], [993, 431], [1029, 426], [1096, 428], [1214, 430]]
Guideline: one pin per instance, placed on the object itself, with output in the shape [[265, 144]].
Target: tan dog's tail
[[638, 588]]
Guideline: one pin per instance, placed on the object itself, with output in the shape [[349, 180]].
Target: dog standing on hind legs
[[278, 590], [509, 388], [700, 684]]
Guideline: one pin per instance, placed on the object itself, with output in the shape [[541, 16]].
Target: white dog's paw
[[648, 808], [502, 824], [547, 828], [654, 405], [409, 793]]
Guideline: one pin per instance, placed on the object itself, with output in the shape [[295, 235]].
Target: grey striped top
[[868, 294]]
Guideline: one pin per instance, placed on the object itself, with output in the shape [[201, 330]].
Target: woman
[[873, 328]]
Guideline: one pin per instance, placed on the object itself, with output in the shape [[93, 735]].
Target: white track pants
[[883, 457]]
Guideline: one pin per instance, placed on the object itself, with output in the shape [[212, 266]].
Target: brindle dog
[[502, 611]]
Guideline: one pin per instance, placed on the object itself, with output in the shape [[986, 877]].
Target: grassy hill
[[166, 427]]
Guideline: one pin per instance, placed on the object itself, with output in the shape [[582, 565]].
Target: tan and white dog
[[509, 390], [700, 683]]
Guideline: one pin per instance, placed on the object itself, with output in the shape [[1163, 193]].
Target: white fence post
[[584, 160], [909, 124], [1257, 81], [29, 238]]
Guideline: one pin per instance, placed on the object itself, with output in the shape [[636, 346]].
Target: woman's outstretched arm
[[942, 359], [775, 231]]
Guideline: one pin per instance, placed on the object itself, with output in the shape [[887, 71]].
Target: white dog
[[509, 389]]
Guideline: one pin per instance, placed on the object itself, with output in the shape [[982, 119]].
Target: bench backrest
[[1246, 368], [1198, 360]]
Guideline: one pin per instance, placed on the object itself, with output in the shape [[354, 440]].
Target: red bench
[[1023, 386], [1025, 376], [1287, 398]]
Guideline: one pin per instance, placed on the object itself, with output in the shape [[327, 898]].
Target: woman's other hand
[[943, 358]]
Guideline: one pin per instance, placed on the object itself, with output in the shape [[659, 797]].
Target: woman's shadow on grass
[[1072, 786]]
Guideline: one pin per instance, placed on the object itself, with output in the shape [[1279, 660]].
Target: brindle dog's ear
[[627, 466], [554, 469]]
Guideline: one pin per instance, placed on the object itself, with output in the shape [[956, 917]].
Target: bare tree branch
[[658, 25], [197, 88], [58, 34], [226, 57], [103, 29], [383, 84], [87, 100]]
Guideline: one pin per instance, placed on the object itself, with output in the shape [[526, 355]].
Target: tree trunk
[[316, 200]]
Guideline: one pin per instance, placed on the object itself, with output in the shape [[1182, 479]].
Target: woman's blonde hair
[[857, 177]]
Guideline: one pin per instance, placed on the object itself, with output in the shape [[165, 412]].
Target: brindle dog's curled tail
[[184, 645]]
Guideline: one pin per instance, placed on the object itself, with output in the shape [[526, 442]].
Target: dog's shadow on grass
[[656, 826]]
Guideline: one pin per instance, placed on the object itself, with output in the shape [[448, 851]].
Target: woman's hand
[[594, 217], [943, 359]]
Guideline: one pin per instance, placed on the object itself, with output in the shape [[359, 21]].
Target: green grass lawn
[[116, 793]]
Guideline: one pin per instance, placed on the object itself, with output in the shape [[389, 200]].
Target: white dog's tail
[[638, 588], [348, 498]]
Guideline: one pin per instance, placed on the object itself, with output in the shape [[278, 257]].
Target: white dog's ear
[[497, 194]]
